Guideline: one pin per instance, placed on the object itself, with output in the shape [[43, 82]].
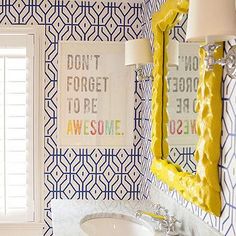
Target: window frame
[[33, 227]]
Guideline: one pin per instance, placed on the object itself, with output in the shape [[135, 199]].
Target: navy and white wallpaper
[[226, 224], [113, 173], [81, 173]]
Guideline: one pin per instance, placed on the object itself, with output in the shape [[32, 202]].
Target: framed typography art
[[96, 95]]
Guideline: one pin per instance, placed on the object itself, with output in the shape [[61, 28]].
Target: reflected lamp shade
[[173, 53], [138, 52], [211, 21]]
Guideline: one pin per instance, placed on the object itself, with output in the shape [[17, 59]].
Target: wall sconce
[[138, 52], [173, 53], [213, 21]]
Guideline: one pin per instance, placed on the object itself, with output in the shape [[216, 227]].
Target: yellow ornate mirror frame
[[202, 188]]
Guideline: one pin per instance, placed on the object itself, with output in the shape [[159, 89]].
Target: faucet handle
[[160, 210], [138, 214], [171, 226], [173, 220], [156, 206]]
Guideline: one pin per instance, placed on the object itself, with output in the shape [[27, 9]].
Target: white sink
[[110, 224]]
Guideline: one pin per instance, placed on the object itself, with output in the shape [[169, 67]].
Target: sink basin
[[107, 224]]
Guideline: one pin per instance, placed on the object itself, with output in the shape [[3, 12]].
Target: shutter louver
[[16, 128]]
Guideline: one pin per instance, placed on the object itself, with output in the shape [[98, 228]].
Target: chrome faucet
[[166, 222]]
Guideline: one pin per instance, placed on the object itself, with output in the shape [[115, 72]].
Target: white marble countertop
[[67, 214]]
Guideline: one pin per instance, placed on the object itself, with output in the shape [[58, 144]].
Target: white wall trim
[[39, 171], [20, 226], [21, 229], [33, 228]]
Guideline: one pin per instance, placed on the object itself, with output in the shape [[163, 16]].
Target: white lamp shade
[[211, 20], [173, 53], [138, 52]]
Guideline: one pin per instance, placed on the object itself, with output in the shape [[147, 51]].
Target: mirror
[[182, 84], [201, 188]]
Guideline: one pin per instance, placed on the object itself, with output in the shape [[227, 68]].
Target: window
[[18, 127]]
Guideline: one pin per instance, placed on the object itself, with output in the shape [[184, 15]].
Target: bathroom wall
[[106, 173], [227, 166]]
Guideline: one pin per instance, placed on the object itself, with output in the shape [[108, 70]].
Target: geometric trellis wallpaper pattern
[[112, 173], [226, 224], [81, 173]]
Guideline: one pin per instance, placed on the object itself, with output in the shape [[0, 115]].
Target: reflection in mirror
[[182, 95], [202, 188]]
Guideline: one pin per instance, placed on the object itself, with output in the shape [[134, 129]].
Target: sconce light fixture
[[213, 21], [173, 53], [138, 52]]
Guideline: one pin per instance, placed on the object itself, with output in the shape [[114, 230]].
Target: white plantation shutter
[[16, 128]]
